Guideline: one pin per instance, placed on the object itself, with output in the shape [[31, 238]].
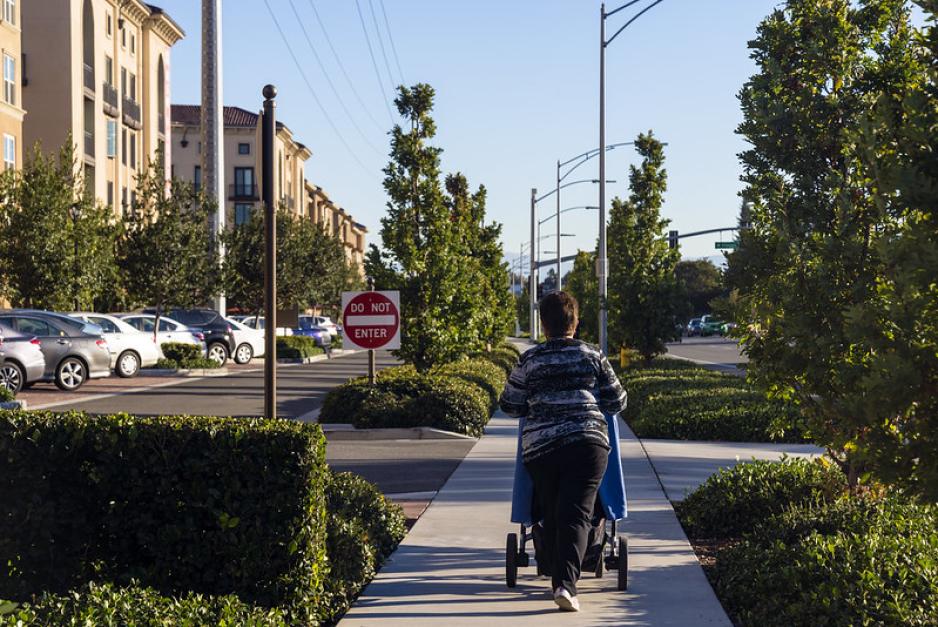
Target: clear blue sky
[[517, 88]]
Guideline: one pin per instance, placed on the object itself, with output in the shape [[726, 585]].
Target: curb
[[338, 432], [13, 405], [194, 372]]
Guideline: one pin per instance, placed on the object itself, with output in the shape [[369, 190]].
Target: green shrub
[[859, 561], [181, 504], [182, 354], [719, 417], [402, 397], [297, 347], [108, 604], [733, 500], [483, 373], [6, 395], [364, 528]]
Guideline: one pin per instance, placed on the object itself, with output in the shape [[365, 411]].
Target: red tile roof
[[189, 115]]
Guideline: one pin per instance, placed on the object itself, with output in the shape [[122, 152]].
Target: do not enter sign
[[372, 320]]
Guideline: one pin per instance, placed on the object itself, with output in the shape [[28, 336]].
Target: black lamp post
[[74, 211]]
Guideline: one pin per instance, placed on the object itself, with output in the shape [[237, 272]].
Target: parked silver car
[[21, 359], [75, 351], [170, 330], [130, 348]]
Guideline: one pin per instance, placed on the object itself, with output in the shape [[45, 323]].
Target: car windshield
[[305, 322]]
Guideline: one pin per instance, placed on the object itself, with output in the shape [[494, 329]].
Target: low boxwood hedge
[[858, 561], [403, 397], [182, 504], [481, 372], [182, 354], [297, 347], [735, 499]]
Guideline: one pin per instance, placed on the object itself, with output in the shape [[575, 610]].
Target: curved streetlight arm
[[554, 191], [589, 154], [554, 215], [624, 6], [629, 23]]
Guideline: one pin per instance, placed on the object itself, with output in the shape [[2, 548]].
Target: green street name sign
[[726, 245]]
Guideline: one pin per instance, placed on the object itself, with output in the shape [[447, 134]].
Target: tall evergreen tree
[[644, 296], [836, 274], [56, 243]]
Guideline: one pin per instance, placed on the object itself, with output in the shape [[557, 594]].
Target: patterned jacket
[[564, 388]]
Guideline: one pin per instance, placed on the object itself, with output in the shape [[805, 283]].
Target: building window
[[9, 79], [242, 212], [9, 151], [244, 182], [124, 146], [124, 82], [111, 138], [132, 94], [133, 150], [110, 25], [124, 201], [133, 43], [110, 195], [108, 70], [123, 37], [197, 178], [9, 11], [244, 149]]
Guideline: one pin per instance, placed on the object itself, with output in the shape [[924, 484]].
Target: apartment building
[[11, 103], [336, 221], [99, 71], [242, 154]]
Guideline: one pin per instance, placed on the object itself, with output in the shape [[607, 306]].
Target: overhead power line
[[312, 92], [338, 60], [335, 92], [374, 63], [397, 59], [384, 54]]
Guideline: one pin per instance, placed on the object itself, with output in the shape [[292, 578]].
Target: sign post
[[371, 320]]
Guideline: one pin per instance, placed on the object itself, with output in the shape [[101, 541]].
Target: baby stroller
[[606, 548]]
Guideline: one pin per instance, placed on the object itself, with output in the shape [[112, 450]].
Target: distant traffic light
[[672, 239]]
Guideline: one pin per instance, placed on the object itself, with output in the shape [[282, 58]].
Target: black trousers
[[565, 485]]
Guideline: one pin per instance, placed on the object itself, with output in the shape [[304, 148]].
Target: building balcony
[[242, 191], [132, 113], [89, 144], [109, 97], [89, 80]]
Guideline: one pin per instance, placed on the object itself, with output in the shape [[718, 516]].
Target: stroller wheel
[[511, 560], [623, 574]]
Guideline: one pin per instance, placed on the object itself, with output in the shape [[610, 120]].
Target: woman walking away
[[564, 388]]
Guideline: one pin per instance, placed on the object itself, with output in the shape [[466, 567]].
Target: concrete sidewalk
[[450, 569]]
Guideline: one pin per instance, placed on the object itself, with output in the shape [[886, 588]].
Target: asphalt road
[[714, 351]]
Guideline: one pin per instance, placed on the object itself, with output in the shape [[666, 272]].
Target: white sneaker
[[566, 601]]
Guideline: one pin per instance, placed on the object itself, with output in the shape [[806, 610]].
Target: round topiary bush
[[483, 373], [732, 501], [859, 561]]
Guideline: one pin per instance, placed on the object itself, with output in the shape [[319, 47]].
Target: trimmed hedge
[[297, 347], [403, 397], [859, 561], [6, 395], [205, 505], [677, 399], [735, 499], [182, 354], [483, 373], [364, 528]]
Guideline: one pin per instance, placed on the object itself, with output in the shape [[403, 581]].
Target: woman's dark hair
[[559, 314]]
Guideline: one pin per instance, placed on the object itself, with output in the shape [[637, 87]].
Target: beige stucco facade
[[11, 98], [99, 70], [242, 158], [336, 221]]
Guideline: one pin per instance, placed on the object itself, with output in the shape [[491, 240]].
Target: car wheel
[[243, 354], [71, 374], [12, 377], [218, 352], [128, 365]]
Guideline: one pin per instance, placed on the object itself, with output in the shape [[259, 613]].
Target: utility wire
[[374, 63], [335, 91], [312, 92], [384, 54], [341, 65], [387, 26]]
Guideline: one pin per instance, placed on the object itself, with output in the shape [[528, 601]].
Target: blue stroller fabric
[[611, 488]]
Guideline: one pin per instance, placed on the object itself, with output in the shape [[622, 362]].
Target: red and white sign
[[372, 320]]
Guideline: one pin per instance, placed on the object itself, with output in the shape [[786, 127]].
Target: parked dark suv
[[219, 341]]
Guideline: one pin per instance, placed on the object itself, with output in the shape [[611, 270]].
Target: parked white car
[[130, 348], [170, 330], [249, 343], [258, 323]]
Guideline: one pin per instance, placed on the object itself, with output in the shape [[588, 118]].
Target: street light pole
[[270, 254], [559, 282], [532, 279], [603, 313]]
